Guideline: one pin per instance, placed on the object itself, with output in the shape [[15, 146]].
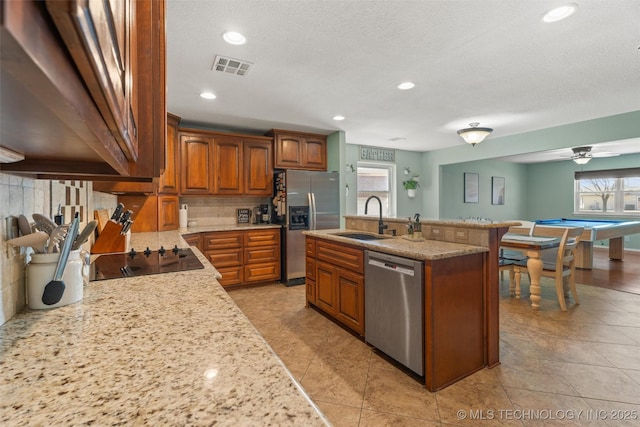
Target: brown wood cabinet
[[98, 72], [224, 250], [232, 164], [168, 213], [258, 167], [338, 280], [310, 269], [454, 319], [101, 39], [227, 165], [244, 257], [196, 174], [169, 182], [297, 150], [194, 239]]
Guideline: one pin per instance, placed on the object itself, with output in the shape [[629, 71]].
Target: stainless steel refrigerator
[[303, 200]]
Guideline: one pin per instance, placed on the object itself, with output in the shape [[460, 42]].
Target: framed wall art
[[497, 190], [471, 187]]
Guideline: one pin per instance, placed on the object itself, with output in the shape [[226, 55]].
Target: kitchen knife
[[117, 212], [126, 226], [125, 217]]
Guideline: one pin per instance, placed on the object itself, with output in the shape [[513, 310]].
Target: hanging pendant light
[[474, 135]]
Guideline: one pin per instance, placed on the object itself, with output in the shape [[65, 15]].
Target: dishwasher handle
[[392, 267]]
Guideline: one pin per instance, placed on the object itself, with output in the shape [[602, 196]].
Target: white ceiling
[[488, 61]]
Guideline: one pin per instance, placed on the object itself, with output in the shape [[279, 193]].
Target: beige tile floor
[[580, 367]]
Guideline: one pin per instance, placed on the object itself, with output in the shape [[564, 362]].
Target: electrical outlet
[[626, 238]]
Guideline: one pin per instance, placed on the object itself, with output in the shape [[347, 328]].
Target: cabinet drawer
[[230, 276], [340, 255], [262, 272], [310, 246], [224, 258], [222, 240], [257, 255], [262, 237], [311, 268]]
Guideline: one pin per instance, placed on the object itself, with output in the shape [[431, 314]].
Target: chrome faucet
[[381, 225]]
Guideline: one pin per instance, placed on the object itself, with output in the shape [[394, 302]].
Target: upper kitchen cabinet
[[240, 165], [196, 154], [84, 87], [169, 179], [258, 169], [227, 165], [297, 150]]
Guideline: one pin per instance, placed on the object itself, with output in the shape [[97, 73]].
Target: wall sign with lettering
[[243, 216], [377, 154]]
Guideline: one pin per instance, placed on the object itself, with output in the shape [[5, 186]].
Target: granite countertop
[[166, 349], [226, 227], [401, 246], [464, 223]]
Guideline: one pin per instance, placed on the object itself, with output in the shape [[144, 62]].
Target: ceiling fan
[[582, 155]]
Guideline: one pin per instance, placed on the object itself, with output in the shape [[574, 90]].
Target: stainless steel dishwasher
[[394, 314]]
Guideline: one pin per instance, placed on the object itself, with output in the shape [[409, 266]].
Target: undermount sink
[[362, 236]]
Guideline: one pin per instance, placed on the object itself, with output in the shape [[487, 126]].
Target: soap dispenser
[[417, 227]]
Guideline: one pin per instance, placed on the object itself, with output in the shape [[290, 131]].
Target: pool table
[[594, 229]]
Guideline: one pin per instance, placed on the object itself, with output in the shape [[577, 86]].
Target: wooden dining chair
[[508, 258], [562, 269]]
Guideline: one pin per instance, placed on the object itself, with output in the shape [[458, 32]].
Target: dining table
[[533, 248]]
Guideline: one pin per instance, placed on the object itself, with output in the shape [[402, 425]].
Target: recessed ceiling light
[[233, 37], [208, 95], [560, 13], [406, 85], [338, 118]]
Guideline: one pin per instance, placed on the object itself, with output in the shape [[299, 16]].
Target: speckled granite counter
[[421, 250], [169, 349]]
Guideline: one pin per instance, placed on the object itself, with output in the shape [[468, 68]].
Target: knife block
[[110, 240]]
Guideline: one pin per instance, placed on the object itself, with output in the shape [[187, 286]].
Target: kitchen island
[[166, 349], [454, 308]]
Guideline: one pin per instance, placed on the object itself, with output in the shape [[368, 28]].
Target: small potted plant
[[410, 185]]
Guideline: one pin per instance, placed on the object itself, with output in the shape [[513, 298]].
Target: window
[[612, 192], [376, 180]]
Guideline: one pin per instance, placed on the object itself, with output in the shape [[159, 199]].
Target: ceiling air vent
[[232, 66]]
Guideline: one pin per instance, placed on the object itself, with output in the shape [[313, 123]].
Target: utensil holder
[[40, 271], [110, 240]]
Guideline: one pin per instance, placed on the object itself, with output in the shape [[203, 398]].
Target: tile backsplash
[[218, 210], [26, 196]]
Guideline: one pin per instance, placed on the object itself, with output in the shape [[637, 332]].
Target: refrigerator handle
[[312, 213]]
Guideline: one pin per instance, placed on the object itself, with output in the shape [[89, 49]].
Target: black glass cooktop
[[134, 264]]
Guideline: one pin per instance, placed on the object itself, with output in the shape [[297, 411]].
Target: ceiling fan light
[[582, 160], [474, 135]]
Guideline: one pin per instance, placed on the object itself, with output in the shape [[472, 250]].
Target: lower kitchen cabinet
[[350, 291], [194, 239], [337, 284], [326, 298], [310, 269], [244, 257], [167, 213], [454, 319]]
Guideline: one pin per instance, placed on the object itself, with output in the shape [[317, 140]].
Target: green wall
[[515, 200], [543, 190], [612, 128], [405, 206]]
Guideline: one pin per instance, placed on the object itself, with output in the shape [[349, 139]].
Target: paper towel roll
[[182, 218]]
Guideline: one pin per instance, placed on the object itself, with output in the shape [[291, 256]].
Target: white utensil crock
[[40, 271]]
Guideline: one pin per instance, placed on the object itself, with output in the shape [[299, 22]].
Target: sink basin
[[362, 236]]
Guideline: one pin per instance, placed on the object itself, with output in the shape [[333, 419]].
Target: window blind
[[608, 173]]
